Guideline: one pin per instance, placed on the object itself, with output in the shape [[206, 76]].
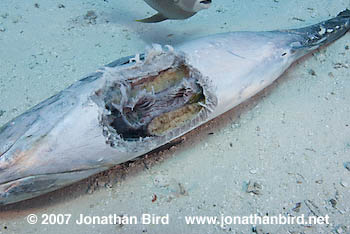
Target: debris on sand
[[254, 188], [90, 17], [347, 166]]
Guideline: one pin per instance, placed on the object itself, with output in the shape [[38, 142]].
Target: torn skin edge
[[157, 60]]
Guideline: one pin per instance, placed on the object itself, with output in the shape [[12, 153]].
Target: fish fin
[[153, 19]]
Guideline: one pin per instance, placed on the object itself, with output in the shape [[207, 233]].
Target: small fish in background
[[175, 9]]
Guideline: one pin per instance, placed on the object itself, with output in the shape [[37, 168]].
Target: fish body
[[139, 103], [175, 9]]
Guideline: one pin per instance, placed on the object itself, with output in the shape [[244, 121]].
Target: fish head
[[30, 147], [194, 5], [33, 186]]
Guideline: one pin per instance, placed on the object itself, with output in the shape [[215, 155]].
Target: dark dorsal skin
[[323, 33]]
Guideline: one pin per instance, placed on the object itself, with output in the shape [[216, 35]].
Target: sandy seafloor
[[292, 139]]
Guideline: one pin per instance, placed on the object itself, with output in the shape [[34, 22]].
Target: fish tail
[[323, 33]]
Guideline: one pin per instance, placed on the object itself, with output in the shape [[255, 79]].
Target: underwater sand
[[292, 139]]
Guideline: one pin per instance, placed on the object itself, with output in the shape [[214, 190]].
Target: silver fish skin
[[175, 9], [122, 110]]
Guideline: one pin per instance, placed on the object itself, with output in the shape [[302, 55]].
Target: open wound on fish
[[160, 105], [153, 106]]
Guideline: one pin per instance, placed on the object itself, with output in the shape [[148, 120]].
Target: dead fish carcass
[[137, 104]]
